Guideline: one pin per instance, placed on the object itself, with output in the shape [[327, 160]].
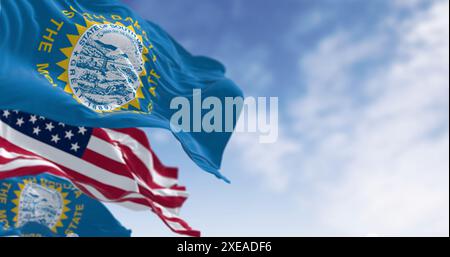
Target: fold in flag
[[98, 64], [114, 165], [49, 206]]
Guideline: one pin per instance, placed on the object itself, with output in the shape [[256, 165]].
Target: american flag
[[113, 165]]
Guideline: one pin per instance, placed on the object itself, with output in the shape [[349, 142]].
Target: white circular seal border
[[104, 67]]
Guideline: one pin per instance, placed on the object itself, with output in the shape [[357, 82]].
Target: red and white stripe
[[117, 166]]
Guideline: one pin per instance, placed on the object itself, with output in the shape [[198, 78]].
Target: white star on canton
[[16, 111], [82, 130], [6, 113], [49, 126], [20, 122], [74, 147], [33, 119], [41, 117], [36, 130], [69, 134], [55, 138], [61, 124]]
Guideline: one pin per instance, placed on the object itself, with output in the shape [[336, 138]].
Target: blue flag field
[[98, 64], [49, 206]]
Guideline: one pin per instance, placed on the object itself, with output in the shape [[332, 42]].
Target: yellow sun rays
[[67, 51]]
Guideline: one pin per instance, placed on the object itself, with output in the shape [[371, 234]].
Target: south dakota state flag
[[49, 206], [98, 64]]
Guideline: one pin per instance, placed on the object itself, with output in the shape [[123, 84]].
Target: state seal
[[104, 67]]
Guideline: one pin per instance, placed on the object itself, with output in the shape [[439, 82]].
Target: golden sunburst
[[135, 103], [65, 203]]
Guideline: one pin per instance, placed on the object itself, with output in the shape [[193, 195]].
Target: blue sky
[[363, 88]]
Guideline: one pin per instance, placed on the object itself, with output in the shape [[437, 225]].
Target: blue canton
[[70, 139]]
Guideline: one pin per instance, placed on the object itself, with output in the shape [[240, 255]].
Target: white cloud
[[273, 163], [383, 138]]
